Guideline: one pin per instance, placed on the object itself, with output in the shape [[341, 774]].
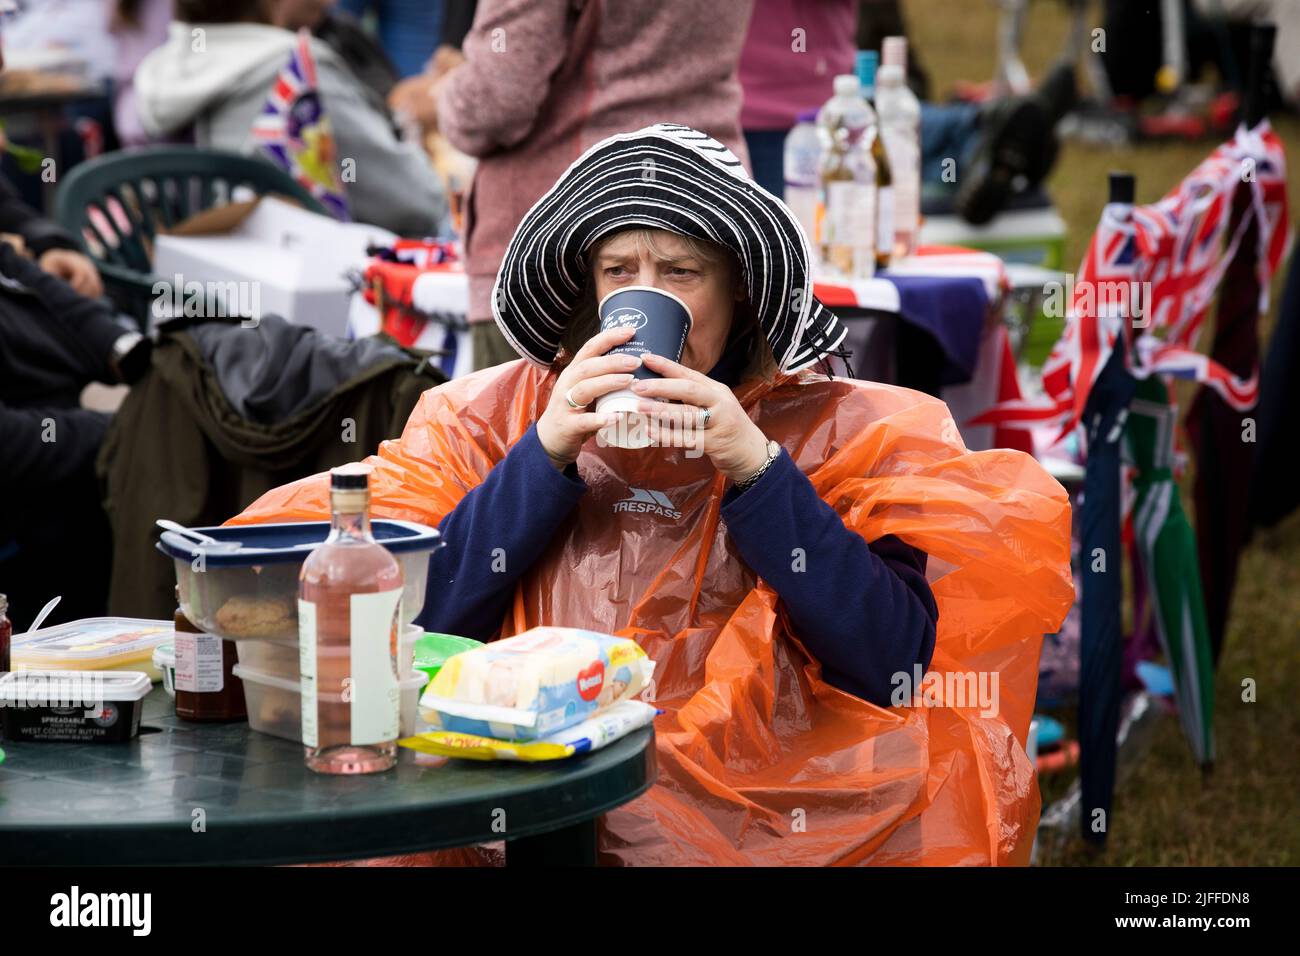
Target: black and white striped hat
[[662, 177]]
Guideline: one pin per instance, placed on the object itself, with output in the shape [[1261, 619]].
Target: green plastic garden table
[[185, 793]]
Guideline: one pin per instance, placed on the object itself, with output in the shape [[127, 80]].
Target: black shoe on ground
[[1016, 150]]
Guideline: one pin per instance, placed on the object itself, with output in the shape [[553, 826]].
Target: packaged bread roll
[[535, 683]]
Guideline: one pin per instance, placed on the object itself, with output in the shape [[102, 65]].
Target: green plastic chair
[[117, 203]]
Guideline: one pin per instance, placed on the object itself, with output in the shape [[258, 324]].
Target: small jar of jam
[[206, 687]]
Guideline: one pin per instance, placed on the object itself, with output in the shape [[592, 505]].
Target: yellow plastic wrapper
[[761, 761], [604, 727]]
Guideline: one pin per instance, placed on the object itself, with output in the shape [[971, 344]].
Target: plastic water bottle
[[846, 216], [866, 68], [899, 116], [801, 160]]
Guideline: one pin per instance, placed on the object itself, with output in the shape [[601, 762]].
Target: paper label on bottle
[[200, 666], [307, 670], [904, 160], [885, 220], [373, 688], [850, 212]]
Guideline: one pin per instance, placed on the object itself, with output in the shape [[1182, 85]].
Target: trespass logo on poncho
[[647, 501]]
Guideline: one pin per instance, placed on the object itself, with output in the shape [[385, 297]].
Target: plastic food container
[[281, 660], [432, 651], [247, 586], [72, 706], [275, 704], [411, 635], [164, 658], [94, 644]]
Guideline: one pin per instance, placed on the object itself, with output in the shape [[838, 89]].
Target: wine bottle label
[[374, 691], [850, 216], [199, 663], [307, 670]]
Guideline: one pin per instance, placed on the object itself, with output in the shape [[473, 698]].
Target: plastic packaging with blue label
[[534, 684]]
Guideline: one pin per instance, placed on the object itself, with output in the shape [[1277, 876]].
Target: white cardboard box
[[276, 258]]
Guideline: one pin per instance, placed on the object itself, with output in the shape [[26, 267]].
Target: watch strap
[[773, 453]]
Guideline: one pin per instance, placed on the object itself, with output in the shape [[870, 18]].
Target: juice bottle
[[846, 218], [349, 618]]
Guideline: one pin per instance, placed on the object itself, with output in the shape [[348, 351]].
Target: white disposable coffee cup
[[662, 321]]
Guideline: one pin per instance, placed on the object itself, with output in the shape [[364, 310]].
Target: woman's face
[[707, 288]]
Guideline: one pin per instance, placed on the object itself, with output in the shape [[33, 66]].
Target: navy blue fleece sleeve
[[493, 536], [865, 611]]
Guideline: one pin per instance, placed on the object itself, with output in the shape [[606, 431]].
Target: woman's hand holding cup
[[563, 429], [736, 446]]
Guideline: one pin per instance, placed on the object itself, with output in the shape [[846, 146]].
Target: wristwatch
[[773, 453], [129, 357]]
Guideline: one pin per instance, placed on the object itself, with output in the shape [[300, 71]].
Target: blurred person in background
[[56, 337], [44, 242], [136, 27], [542, 80], [60, 45], [1285, 14], [409, 30], [140, 26], [343, 32], [1215, 32], [795, 48], [458, 17], [220, 85], [792, 54]]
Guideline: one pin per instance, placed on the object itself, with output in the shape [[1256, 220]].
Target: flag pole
[[1263, 37]]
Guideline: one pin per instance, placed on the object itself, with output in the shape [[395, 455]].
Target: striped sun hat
[[662, 177]]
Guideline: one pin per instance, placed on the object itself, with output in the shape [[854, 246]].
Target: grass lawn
[[1164, 812]]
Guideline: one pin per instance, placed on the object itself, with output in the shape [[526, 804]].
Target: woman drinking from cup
[[816, 564]]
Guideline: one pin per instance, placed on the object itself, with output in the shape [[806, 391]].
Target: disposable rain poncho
[[760, 760]]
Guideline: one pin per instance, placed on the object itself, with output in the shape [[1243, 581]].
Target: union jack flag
[[1174, 252], [295, 133]]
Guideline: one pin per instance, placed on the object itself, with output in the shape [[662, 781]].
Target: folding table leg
[[568, 846]]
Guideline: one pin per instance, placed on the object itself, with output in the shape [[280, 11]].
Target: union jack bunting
[[294, 132], [1169, 258], [1159, 358]]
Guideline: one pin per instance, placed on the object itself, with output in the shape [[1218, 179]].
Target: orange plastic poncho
[[760, 760]]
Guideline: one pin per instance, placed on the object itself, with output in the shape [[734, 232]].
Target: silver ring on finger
[[705, 417], [568, 397]]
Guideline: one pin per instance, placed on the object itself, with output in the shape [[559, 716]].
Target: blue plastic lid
[[1050, 731], [256, 544], [1157, 679], [867, 61]]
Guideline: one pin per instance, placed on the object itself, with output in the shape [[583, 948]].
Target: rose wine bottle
[[349, 618]]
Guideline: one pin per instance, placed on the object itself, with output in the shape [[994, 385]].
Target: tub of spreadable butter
[[72, 706]]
